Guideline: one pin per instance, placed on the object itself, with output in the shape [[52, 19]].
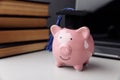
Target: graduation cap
[[74, 19]]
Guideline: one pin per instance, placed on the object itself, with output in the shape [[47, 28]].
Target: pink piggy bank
[[72, 47]]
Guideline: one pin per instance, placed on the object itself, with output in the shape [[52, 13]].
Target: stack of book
[[22, 26]]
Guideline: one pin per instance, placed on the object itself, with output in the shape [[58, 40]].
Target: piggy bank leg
[[59, 64], [78, 67], [86, 62]]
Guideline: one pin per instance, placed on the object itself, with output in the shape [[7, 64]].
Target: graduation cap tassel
[[49, 45]]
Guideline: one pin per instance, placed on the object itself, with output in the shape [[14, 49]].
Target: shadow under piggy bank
[[96, 67]]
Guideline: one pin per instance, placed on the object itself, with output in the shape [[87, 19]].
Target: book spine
[[23, 35], [17, 22], [9, 51], [14, 10], [24, 3]]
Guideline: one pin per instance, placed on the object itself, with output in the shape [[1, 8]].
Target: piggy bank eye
[[70, 38], [60, 37]]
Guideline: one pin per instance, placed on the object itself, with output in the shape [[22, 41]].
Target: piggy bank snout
[[65, 50]]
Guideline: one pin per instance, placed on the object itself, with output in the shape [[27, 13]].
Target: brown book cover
[[9, 36], [22, 22], [9, 51], [23, 8]]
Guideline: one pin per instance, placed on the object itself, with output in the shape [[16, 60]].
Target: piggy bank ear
[[54, 29], [84, 31]]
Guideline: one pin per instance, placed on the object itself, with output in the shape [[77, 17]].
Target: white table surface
[[41, 66]]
